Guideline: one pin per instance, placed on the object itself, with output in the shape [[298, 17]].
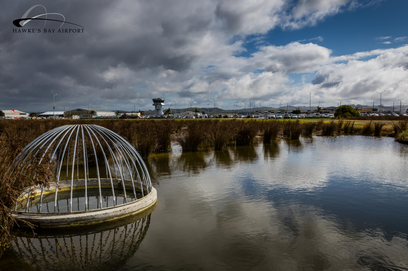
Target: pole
[[400, 106], [380, 99], [393, 107], [53, 105], [310, 103]]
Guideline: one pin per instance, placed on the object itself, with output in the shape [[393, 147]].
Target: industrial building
[[14, 114], [90, 113], [51, 114]]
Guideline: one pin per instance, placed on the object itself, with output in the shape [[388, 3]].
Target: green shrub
[[346, 111]]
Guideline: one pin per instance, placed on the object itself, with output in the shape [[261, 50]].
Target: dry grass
[[193, 136], [221, 132], [367, 129], [270, 130], [246, 132], [377, 128], [348, 127]]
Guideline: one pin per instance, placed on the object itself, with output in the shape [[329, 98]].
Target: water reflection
[[245, 153], [193, 162], [271, 150], [294, 145], [223, 158], [104, 247]]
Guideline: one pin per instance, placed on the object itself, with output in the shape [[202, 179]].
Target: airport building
[[15, 114], [90, 113]]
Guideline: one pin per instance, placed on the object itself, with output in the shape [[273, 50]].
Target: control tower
[[158, 103]]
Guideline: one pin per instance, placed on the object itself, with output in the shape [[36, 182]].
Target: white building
[[14, 114], [50, 114], [83, 112]]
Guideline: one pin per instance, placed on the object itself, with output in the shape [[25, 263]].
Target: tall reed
[[247, 130], [328, 129], [292, 129], [193, 135], [400, 127], [367, 128], [308, 128], [164, 129], [221, 132], [377, 128], [270, 130], [348, 127]]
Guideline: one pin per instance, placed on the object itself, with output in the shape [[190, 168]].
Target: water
[[78, 202], [314, 204]]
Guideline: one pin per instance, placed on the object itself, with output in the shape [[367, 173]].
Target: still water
[[315, 204]]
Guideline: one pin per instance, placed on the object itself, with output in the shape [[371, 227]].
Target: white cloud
[[400, 39], [383, 38]]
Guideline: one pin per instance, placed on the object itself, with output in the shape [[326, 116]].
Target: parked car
[[286, 116], [279, 116], [293, 116]]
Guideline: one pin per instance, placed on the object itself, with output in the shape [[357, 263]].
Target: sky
[[223, 53]]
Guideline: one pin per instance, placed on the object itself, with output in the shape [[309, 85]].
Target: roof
[[86, 110], [50, 113], [13, 111]]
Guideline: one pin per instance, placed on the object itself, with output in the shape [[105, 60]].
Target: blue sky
[[234, 51]]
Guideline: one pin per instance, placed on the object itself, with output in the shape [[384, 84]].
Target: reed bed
[[377, 128], [292, 129], [220, 132], [270, 130], [193, 135], [367, 129], [308, 128], [348, 127], [246, 132], [328, 129]]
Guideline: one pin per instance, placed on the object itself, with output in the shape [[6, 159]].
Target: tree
[[319, 109], [142, 113], [297, 111], [346, 111], [1, 113], [92, 112], [196, 110], [117, 113], [33, 114]]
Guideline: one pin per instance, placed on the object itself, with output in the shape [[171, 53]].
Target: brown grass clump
[[348, 127], [270, 130], [339, 125], [367, 129], [308, 128], [246, 132], [292, 129], [193, 135], [377, 128], [400, 127], [328, 129], [164, 129], [221, 132], [143, 137], [13, 179]]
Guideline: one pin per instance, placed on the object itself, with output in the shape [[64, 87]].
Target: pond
[[316, 204]]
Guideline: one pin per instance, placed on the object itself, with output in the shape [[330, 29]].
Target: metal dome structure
[[98, 176]]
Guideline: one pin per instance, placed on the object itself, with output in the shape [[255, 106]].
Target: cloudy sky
[[267, 52]]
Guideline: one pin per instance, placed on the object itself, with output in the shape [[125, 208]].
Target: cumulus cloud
[[133, 51]]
